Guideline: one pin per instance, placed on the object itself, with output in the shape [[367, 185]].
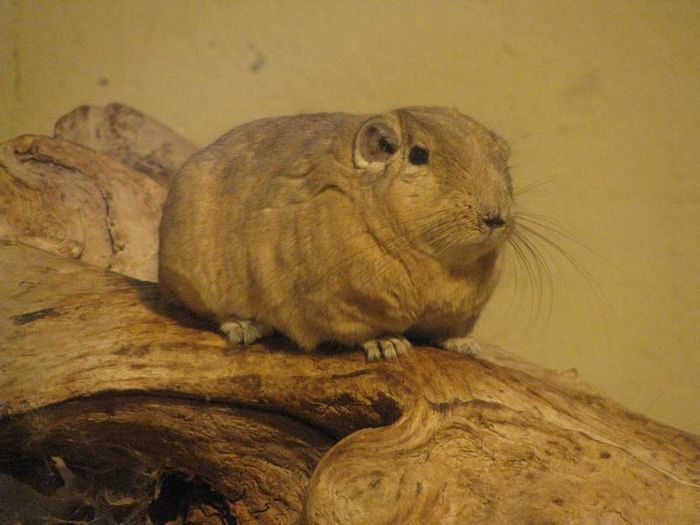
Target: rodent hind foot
[[462, 345], [245, 331], [388, 347]]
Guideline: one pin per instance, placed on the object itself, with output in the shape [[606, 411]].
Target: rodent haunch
[[364, 230]]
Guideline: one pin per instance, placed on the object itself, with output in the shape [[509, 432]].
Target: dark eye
[[418, 155], [386, 146]]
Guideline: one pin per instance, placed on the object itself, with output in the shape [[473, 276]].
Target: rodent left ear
[[376, 141]]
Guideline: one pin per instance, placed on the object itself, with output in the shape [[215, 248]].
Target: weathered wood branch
[[93, 366], [115, 407], [128, 136], [76, 202]]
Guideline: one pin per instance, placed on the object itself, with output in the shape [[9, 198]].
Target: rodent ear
[[376, 141]]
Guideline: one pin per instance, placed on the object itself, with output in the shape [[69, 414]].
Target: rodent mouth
[[496, 235], [461, 254], [494, 239]]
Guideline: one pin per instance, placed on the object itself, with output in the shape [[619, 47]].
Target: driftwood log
[[118, 408], [129, 136]]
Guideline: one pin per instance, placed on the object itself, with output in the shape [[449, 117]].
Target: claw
[[461, 345], [389, 347], [244, 332]]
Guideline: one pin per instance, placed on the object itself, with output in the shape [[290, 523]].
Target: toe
[[462, 345], [402, 345], [388, 349], [372, 350], [232, 332], [243, 332]]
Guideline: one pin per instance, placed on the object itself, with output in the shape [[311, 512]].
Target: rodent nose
[[494, 221]]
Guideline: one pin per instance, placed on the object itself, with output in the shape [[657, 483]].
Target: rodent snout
[[494, 221]]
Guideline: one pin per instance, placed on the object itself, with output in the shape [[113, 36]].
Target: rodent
[[363, 230]]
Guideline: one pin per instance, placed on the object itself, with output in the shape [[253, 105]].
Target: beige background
[[601, 99]]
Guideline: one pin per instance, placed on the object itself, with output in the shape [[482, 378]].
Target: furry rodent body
[[356, 229]]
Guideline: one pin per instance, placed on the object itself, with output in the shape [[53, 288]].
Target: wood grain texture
[[76, 202], [432, 438], [128, 136]]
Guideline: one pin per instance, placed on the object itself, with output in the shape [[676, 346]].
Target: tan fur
[[306, 226]]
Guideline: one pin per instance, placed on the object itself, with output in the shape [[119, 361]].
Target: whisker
[[512, 270], [552, 226], [512, 242], [527, 188], [544, 274], [553, 244], [532, 271]]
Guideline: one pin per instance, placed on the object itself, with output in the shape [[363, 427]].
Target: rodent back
[[250, 207]]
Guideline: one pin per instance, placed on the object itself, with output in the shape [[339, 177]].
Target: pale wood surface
[[76, 202], [434, 434], [129, 136]]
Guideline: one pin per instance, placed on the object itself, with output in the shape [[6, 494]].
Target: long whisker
[[549, 224], [513, 242], [512, 269], [533, 271], [527, 188], [583, 273], [541, 270]]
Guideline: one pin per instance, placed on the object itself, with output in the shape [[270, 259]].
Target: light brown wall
[[601, 99]]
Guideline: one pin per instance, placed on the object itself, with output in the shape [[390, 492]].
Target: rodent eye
[[418, 155], [386, 146]]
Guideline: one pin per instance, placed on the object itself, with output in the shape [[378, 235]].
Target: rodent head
[[443, 179]]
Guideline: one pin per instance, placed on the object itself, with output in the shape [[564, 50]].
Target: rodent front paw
[[245, 331], [461, 345], [387, 347]]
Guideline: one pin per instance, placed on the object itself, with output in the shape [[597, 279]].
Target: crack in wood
[[30, 317]]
